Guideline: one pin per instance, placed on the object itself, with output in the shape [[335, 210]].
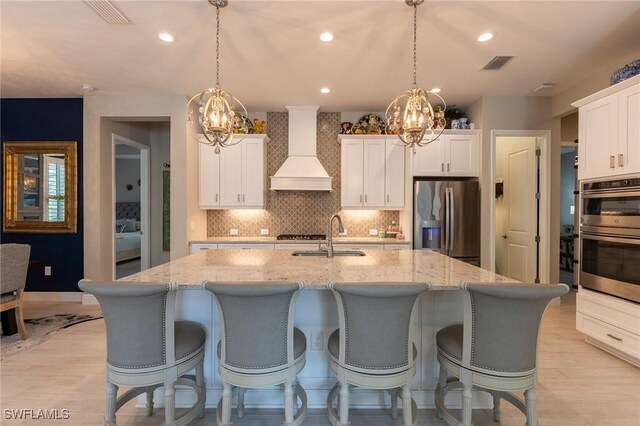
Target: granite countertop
[[442, 272], [272, 240]]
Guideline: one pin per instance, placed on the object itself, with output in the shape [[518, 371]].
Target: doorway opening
[[520, 172], [130, 206], [568, 217]]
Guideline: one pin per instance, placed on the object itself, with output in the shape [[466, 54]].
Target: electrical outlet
[[264, 231], [317, 338], [343, 234], [373, 232], [47, 271], [233, 231]]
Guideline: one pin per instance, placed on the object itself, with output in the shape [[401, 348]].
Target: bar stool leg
[[407, 416], [110, 404], [241, 392], [344, 403], [149, 405], [288, 402], [496, 406], [467, 400], [202, 391], [442, 382], [394, 403], [169, 404], [530, 400], [226, 403]]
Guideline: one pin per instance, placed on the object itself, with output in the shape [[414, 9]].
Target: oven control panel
[[612, 184]]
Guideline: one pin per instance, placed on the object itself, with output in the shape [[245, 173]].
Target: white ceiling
[[272, 56]]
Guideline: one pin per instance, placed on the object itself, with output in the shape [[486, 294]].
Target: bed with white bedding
[[127, 238]]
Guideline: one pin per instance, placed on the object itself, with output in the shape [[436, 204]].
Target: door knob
[[504, 236]]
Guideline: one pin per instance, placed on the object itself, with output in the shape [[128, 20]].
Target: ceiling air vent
[[497, 62], [107, 11]]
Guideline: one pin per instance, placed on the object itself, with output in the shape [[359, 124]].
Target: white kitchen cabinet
[[454, 153], [372, 173], [609, 131], [235, 177], [397, 246], [610, 323]]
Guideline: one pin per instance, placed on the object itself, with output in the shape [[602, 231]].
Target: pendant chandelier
[[216, 114], [416, 125]]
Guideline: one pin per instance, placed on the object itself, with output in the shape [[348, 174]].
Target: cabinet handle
[[365, 198], [448, 167], [442, 167], [387, 198], [620, 160], [614, 337], [612, 161], [216, 198], [243, 198], [238, 197]]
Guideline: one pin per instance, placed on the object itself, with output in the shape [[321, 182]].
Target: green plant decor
[[452, 113]]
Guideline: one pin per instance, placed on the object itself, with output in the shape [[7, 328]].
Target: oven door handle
[[612, 194], [609, 239]]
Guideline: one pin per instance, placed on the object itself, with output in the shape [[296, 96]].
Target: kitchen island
[[316, 313]]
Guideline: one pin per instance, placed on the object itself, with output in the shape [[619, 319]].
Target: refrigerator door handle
[[452, 220], [446, 221]]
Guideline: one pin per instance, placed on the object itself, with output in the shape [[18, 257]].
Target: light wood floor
[[578, 384]]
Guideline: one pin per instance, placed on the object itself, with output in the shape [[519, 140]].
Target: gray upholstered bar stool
[[147, 348], [259, 345], [14, 264], [495, 349], [373, 347]]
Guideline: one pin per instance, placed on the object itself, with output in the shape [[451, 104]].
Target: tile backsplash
[[299, 212]]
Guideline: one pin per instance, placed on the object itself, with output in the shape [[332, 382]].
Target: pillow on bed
[[119, 227], [129, 225]]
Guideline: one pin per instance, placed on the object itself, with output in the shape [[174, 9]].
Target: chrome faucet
[[330, 233]]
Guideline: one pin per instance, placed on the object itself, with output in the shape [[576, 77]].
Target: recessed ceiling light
[[325, 90], [485, 37], [166, 37], [436, 90], [326, 37]]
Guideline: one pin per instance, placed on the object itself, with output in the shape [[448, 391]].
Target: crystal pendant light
[[216, 114], [416, 124]]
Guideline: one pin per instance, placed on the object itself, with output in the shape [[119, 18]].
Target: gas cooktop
[[301, 237]]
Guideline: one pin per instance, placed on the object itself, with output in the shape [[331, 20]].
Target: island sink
[[323, 253]]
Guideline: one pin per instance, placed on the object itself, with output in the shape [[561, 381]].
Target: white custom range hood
[[302, 170]]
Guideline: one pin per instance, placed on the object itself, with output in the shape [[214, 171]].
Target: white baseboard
[[53, 296], [89, 299]]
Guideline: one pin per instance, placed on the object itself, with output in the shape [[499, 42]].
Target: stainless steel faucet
[[330, 233]]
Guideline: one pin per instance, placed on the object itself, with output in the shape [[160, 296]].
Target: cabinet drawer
[[233, 246], [610, 335], [611, 310], [299, 246], [397, 246], [338, 246], [204, 246]]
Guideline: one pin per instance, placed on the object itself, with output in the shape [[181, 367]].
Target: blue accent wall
[[48, 120]]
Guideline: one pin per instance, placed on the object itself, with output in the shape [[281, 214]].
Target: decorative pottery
[[369, 124], [463, 123], [628, 71], [346, 128], [456, 124], [241, 124], [259, 126], [439, 121]]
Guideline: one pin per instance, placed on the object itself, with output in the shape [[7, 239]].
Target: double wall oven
[[610, 237]]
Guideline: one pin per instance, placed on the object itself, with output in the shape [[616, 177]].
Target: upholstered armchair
[[14, 261]]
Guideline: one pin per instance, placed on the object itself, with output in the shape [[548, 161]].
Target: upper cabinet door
[[598, 136], [628, 155], [374, 165], [461, 155], [429, 160], [231, 175], [394, 173], [209, 177], [352, 173], [252, 173]]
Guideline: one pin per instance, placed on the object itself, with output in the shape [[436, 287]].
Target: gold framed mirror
[[40, 187]]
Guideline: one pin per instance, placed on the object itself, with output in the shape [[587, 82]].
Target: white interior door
[[520, 251]]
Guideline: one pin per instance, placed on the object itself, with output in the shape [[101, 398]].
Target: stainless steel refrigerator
[[446, 217]]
